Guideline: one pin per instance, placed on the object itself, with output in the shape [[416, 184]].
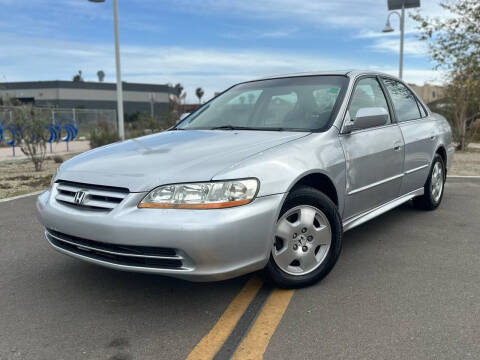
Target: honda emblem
[[79, 197]]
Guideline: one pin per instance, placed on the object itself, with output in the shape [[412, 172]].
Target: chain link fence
[[84, 120]]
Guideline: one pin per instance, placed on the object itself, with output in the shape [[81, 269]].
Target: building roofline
[[90, 85]]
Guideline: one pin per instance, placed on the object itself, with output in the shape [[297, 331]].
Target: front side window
[[368, 94], [404, 102], [296, 104]]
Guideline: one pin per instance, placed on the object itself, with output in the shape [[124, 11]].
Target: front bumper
[[211, 244]]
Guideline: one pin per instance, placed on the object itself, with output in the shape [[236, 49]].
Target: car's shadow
[[389, 221], [130, 285]]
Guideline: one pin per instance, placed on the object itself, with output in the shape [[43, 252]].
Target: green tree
[[100, 75], [454, 46], [78, 77], [199, 92], [180, 93]]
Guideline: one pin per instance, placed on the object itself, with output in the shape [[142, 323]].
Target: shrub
[[102, 135], [58, 159], [141, 124], [30, 134]]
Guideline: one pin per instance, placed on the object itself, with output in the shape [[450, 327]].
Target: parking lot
[[405, 287]]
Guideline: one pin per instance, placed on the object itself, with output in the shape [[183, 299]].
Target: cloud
[[280, 33], [277, 34], [339, 12], [212, 69], [369, 34], [345, 13], [411, 46]]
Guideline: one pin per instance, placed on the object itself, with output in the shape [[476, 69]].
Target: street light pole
[[399, 5], [388, 28], [121, 127], [402, 36]]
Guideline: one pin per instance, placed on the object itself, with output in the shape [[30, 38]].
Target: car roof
[[350, 73]]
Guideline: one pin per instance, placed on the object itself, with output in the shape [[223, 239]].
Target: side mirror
[[365, 118]]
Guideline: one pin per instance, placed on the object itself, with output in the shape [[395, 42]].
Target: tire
[[313, 257], [433, 195]]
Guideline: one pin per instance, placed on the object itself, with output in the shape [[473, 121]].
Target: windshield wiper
[[232, 127]]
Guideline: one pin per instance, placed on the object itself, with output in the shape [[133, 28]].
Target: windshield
[[295, 103]]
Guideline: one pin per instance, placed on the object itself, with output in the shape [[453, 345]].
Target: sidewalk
[[57, 149]]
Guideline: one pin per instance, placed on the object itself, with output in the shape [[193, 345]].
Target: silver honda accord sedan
[[266, 176]]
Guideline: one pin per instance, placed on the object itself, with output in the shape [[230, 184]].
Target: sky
[[211, 44]]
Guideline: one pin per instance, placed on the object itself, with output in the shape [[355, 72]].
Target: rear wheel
[[433, 190], [308, 239]]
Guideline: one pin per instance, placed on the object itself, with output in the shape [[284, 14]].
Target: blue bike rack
[[12, 128], [54, 129], [70, 133]]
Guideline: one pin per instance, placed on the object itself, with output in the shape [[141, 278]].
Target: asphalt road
[[407, 286]]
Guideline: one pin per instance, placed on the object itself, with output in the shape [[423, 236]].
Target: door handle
[[397, 147], [433, 137]]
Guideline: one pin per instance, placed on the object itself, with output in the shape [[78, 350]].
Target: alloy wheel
[[436, 187]]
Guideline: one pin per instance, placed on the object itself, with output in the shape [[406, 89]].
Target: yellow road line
[[255, 343], [213, 341]]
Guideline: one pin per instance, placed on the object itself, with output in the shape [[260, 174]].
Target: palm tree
[[199, 92], [101, 75], [179, 88], [78, 77]]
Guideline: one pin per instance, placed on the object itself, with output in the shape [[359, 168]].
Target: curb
[[464, 176], [21, 196]]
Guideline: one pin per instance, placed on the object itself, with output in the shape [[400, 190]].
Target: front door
[[374, 156]]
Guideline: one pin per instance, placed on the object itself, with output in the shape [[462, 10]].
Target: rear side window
[[367, 94], [404, 102]]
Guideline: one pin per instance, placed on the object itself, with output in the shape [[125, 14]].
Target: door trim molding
[[356, 220], [369, 186], [416, 169]]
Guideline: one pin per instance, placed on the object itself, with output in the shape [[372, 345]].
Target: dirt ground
[[19, 177], [59, 148], [466, 163]]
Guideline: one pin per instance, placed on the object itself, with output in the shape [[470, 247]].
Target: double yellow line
[[255, 342]]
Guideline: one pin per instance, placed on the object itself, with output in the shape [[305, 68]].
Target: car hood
[[169, 157]]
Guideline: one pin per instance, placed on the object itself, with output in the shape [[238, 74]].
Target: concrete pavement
[[406, 287]]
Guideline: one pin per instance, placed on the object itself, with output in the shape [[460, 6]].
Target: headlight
[[209, 195]]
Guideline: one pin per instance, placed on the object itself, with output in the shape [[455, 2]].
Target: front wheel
[[433, 190], [308, 239]]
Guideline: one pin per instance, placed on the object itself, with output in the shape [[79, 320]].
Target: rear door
[[374, 156], [419, 134]]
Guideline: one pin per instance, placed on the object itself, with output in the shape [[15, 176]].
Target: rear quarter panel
[[445, 137]]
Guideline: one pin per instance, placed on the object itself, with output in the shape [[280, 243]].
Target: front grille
[[129, 255], [96, 197]]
